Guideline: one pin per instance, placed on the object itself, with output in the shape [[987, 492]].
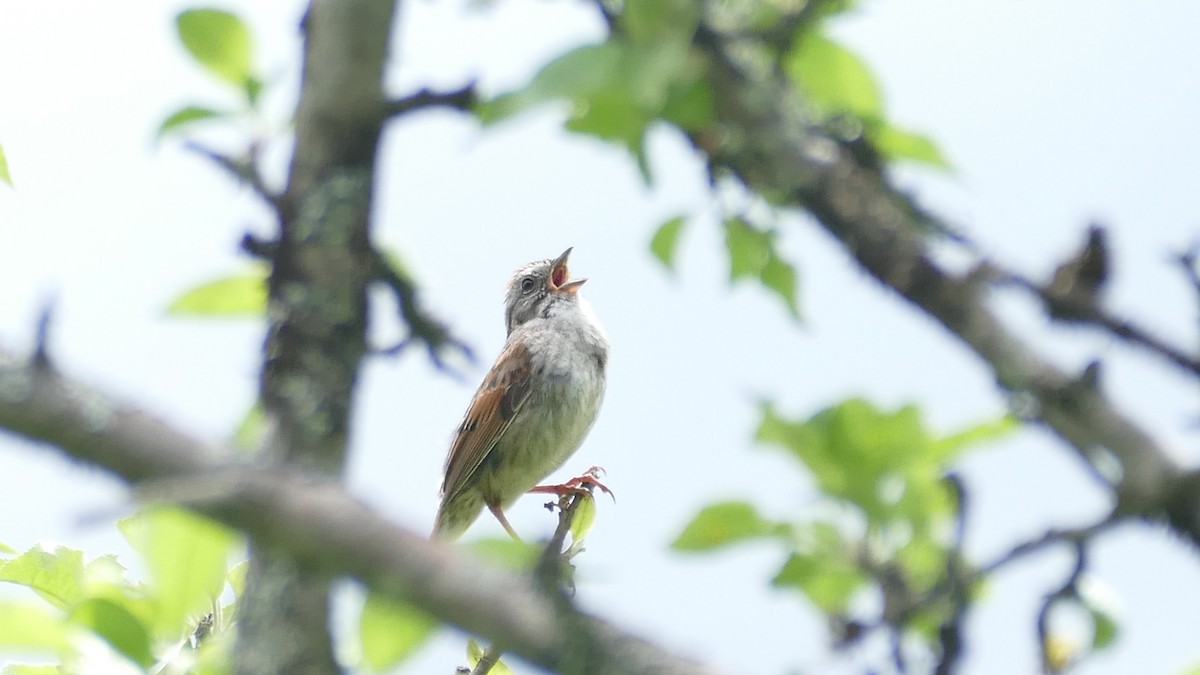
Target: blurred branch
[[315, 520], [422, 326], [761, 135], [245, 170], [1067, 590], [462, 98]]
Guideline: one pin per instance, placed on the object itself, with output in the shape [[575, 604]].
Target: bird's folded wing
[[497, 402]]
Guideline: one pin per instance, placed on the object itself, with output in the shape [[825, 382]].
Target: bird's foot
[[581, 484]]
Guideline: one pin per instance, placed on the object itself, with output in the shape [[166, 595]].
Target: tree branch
[[317, 314], [422, 326], [462, 98], [762, 136], [314, 520], [244, 170]]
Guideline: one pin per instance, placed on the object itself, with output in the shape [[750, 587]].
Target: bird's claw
[[581, 484]]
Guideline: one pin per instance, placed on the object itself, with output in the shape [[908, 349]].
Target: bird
[[534, 407]]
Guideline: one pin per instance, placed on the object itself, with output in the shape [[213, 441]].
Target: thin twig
[[41, 335], [258, 247], [1088, 313], [1049, 538], [548, 572], [463, 98], [491, 656], [1068, 589], [422, 327], [244, 170]]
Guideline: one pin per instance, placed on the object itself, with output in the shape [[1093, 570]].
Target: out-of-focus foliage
[[883, 528]]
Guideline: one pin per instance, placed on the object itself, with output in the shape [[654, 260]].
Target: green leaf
[[655, 20], [390, 631], [866, 457], [508, 552], [5, 548], [899, 144], [752, 255], [219, 41], [30, 669], [251, 431], [239, 295], [835, 80], [187, 556], [117, 625], [584, 517], [1104, 629], [749, 248], [186, 116], [779, 276], [4, 175], [475, 652], [29, 626], [723, 524], [824, 571], [666, 240], [1101, 605], [616, 89], [236, 578], [56, 576], [976, 434]]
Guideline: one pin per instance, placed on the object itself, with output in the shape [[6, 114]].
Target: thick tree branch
[[317, 314], [763, 137], [314, 521]]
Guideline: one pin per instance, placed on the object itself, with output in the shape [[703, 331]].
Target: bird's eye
[[527, 284]]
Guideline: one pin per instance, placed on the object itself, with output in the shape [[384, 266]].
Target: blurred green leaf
[[219, 41], [654, 20], [584, 517], [1101, 605], [186, 116], [749, 248], [187, 556], [884, 463], [824, 571], [475, 652], [752, 255], [983, 432], [390, 632], [4, 175], [834, 78], [236, 578], [251, 430], [117, 625], [30, 669], [28, 626], [5, 548], [666, 240], [239, 295], [508, 552], [617, 89], [899, 144], [723, 524], [1104, 629], [54, 575], [779, 276]]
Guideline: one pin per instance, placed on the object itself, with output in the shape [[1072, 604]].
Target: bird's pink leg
[[580, 484]]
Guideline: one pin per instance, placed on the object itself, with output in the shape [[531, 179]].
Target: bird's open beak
[[560, 276]]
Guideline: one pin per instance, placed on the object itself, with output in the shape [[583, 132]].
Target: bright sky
[[1054, 113]]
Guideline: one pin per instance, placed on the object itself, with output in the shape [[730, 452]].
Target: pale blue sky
[[1054, 113]]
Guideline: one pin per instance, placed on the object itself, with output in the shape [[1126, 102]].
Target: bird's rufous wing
[[499, 399]]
